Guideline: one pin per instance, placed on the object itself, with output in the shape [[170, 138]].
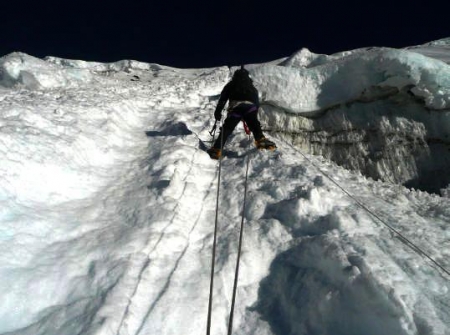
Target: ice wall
[[382, 111]]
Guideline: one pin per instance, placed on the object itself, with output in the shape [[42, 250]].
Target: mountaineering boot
[[214, 153], [264, 143]]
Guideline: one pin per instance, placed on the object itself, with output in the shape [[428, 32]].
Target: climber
[[243, 104]]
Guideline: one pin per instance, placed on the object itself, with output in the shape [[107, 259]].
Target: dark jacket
[[240, 88]]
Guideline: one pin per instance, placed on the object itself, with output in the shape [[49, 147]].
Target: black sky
[[190, 34]]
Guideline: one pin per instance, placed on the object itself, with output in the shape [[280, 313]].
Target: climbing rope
[[401, 237], [213, 261], [241, 234]]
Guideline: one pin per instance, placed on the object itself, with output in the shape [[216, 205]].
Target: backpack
[[242, 87]]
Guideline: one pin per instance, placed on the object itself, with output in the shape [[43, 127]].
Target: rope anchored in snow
[[241, 234], [213, 261]]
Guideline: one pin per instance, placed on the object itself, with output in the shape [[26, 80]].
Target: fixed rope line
[[401, 237], [213, 261], [241, 234]]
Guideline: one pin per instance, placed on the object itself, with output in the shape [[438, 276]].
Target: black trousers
[[246, 113]]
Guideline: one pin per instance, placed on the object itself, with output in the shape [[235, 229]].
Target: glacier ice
[[380, 111]]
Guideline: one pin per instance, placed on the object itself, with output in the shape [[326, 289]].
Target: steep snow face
[[381, 111], [107, 207]]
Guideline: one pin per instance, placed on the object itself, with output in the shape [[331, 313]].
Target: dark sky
[[190, 34]]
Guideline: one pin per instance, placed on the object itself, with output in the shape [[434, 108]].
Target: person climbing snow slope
[[243, 105]]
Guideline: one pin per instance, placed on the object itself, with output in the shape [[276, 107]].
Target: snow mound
[[119, 66], [305, 59], [344, 79], [34, 73]]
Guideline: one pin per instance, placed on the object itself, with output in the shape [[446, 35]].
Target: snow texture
[[107, 200]]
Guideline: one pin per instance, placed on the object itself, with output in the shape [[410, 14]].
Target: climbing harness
[[241, 234], [246, 128], [400, 236]]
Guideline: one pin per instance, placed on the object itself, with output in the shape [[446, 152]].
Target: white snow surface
[[300, 88], [108, 201]]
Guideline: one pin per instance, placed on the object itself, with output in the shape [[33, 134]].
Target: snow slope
[[108, 202]]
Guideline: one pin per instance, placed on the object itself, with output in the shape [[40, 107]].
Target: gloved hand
[[218, 114]]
